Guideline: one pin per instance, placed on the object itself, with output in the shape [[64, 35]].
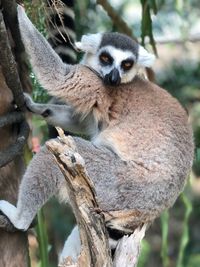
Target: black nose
[[112, 78]]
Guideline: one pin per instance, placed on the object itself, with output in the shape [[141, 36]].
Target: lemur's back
[[143, 115]]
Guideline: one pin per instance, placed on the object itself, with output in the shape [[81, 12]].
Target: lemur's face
[[116, 57], [115, 66]]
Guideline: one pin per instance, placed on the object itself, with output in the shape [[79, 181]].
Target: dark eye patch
[[127, 64], [105, 59]]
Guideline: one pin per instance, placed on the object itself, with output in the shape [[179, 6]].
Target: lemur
[[141, 146], [116, 58]]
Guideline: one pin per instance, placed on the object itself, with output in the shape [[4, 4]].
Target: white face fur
[[109, 61]]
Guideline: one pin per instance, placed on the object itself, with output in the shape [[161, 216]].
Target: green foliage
[[185, 233], [42, 240], [181, 79], [146, 24], [36, 11], [165, 230], [194, 261], [39, 94], [144, 254]]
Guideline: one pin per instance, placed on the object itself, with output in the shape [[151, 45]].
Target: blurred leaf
[[185, 234], [153, 5], [198, 154], [165, 230], [179, 5], [144, 254], [194, 261], [146, 25], [42, 240]]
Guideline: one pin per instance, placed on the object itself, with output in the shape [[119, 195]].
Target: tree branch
[[116, 19], [16, 148], [10, 118], [128, 249], [10, 18], [93, 235], [9, 67]]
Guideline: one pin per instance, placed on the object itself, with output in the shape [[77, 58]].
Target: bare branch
[[9, 68], [128, 249], [93, 235], [10, 118], [178, 40], [16, 148], [116, 19]]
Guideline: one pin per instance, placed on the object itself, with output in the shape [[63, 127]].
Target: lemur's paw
[[10, 211]]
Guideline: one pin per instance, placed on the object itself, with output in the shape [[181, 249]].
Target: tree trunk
[[13, 246]]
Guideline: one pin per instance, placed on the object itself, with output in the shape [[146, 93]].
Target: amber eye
[[106, 59], [127, 64]]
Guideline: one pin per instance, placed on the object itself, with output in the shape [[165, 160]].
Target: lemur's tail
[[60, 23], [47, 65]]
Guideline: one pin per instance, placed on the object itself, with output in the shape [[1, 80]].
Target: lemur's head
[[115, 56]]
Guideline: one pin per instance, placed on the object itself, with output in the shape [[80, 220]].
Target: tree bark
[[93, 235], [13, 134], [13, 246]]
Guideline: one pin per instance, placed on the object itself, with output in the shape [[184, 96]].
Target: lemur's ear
[[89, 43], [145, 58]]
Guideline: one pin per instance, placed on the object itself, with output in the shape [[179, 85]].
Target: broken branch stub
[[128, 249]]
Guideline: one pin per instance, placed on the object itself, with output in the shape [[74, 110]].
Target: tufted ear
[[89, 43], [145, 58]]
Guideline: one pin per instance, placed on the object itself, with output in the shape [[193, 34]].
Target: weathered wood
[[93, 235], [128, 249]]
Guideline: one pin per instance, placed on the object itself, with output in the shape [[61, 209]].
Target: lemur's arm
[[76, 85], [63, 116], [47, 65]]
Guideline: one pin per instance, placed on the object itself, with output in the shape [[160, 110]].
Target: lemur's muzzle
[[112, 78]]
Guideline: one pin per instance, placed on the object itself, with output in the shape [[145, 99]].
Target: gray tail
[[47, 65]]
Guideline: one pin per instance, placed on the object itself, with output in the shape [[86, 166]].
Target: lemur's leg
[[62, 115], [44, 179], [40, 181]]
